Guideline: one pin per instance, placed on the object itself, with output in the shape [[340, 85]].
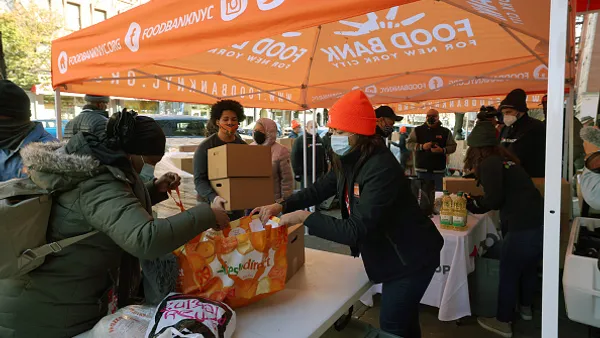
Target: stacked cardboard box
[[286, 142], [241, 174]]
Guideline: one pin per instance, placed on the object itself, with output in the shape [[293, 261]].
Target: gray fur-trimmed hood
[[50, 167], [52, 158]]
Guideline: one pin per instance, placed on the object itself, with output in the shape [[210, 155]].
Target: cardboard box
[[295, 250], [468, 185], [239, 160], [187, 148], [566, 201], [184, 163], [395, 136], [245, 193], [286, 142]]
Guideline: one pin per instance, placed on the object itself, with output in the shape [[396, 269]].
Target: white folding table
[[313, 300]]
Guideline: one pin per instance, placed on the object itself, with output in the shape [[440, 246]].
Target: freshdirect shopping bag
[[239, 265]]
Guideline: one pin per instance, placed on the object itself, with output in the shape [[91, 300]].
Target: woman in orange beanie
[[381, 219]]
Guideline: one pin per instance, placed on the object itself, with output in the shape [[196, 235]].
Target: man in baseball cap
[[386, 117], [92, 119]]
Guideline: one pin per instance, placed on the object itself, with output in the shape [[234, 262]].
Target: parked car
[[50, 126], [182, 125]]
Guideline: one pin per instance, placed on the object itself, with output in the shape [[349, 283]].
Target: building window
[[99, 16], [73, 18]]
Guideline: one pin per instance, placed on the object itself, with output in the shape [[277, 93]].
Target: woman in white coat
[[265, 134]]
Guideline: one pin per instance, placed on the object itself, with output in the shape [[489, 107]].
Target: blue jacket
[[11, 165]]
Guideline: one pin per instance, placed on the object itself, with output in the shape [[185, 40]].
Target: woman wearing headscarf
[[508, 188], [97, 189], [381, 220], [265, 134]]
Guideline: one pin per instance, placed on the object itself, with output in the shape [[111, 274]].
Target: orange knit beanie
[[354, 113]]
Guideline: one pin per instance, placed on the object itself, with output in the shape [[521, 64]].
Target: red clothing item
[[346, 198]]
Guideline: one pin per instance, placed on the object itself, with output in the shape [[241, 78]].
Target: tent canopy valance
[[298, 54]]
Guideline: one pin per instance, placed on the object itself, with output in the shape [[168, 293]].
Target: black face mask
[[259, 137], [387, 131], [431, 120]]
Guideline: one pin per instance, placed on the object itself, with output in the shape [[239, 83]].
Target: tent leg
[[552, 193], [304, 158], [571, 155], [57, 106]]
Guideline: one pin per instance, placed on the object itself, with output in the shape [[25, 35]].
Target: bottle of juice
[[446, 212], [459, 211]]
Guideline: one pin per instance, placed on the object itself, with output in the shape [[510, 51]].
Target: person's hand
[[293, 218], [265, 212], [437, 149], [167, 182], [427, 146], [219, 202], [221, 217]]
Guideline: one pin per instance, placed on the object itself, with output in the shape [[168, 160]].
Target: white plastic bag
[[131, 322], [183, 316]]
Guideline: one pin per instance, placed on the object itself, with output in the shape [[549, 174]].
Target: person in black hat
[[386, 117], [507, 187], [524, 136], [16, 129], [432, 143], [92, 119]]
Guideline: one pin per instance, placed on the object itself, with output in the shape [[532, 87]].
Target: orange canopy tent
[[300, 54], [461, 105]]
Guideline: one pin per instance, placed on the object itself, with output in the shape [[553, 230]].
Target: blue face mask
[[147, 173], [340, 144]]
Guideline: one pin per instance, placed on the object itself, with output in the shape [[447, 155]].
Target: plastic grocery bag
[[183, 316], [131, 321], [239, 265]]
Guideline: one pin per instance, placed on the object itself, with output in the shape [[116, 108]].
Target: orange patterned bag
[[239, 265]]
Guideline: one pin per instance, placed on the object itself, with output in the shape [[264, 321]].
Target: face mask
[[388, 130], [147, 172], [259, 137], [509, 120], [340, 144], [229, 130], [431, 120]]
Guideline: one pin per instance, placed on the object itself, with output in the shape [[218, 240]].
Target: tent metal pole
[[531, 51], [570, 118], [314, 147], [57, 106], [552, 191], [304, 158]]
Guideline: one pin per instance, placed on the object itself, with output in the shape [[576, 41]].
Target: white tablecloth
[[449, 288]]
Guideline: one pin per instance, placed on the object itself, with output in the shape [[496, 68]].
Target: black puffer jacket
[[384, 224], [89, 120], [508, 188], [526, 138]]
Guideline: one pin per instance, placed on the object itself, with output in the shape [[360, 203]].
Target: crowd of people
[[104, 178]]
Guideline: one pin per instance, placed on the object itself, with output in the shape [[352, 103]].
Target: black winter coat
[[526, 139], [385, 224], [89, 120], [508, 188], [298, 160]]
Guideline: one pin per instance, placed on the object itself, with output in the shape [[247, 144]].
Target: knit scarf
[[13, 132]]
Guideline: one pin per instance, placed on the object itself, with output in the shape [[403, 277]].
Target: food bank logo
[[540, 72], [436, 83], [132, 38], [63, 62], [231, 9], [373, 23], [370, 91]]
